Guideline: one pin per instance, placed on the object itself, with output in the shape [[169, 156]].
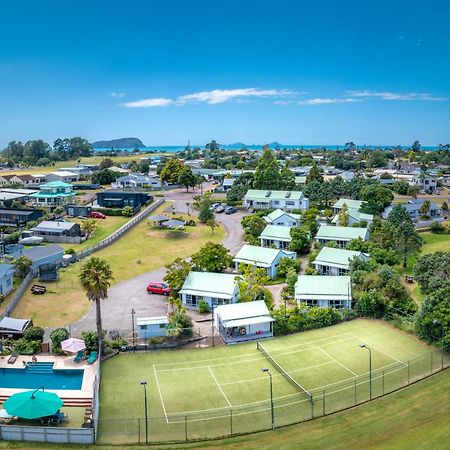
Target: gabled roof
[[274, 215], [264, 194], [331, 232], [6, 268], [261, 256], [221, 285], [10, 323], [356, 216], [336, 257], [52, 184], [160, 320], [322, 287], [351, 204], [277, 232], [63, 173], [37, 253], [242, 310], [48, 225]]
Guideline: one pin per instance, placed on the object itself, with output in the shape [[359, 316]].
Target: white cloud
[[213, 97], [327, 101], [148, 103], [397, 95], [117, 94]]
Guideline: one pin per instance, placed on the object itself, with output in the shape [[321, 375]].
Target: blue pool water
[[41, 374]]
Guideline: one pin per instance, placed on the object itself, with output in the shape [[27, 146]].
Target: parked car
[[97, 215], [230, 210], [220, 209], [159, 288], [214, 206]]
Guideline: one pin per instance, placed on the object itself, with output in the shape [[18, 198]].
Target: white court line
[[160, 395], [335, 360], [218, 385], [381, 351]]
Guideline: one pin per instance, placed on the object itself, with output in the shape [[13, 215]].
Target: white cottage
[[336, 261], [286, 200], [282, 218]]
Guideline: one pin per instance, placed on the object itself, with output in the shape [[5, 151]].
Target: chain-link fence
[[260, 416]]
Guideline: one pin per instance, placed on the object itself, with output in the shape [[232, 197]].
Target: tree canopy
[[212, 258]]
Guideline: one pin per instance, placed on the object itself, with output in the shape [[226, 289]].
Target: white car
[[32, 240]]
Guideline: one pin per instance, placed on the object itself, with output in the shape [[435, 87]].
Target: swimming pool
[[41, 374]]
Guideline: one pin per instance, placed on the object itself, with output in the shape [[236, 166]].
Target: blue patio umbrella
[[33, 404]]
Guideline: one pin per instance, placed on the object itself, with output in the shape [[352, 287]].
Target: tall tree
[[287, 179], [177, 272], [212, 258], [267, 174], [187, 178], [314, 175], [95, 277], [171, 170]]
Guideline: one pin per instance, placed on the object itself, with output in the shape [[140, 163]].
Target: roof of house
[[221, 285], [63, 173], [17, 212], [336, 257], [48, 225], [322, 287], [5, 269], [263, 194], [274, 215], [356, 216], [161, 320], [351, 204], [10, 323], [39, 252], [56, 183], [331, 232], [228, 181], [261, 256], [244, 310], [277, 232]]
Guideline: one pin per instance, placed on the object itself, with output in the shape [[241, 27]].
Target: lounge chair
[[92, 357], [78, 356], [13, 358]]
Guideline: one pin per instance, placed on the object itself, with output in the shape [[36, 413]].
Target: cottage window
[[143, 327]]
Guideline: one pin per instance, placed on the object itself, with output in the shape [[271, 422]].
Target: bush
[[90, 339], [203, 307], [127, 211], [109, 211], [34, 334], [57, 336], [285, 264], [13, 238], [25, 347], [70, 251], [437, 228], [156, 340]]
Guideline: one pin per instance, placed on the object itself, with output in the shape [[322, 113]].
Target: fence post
[[323, 403], [185, 428], [231, 422], [355, 391], [312, 407]]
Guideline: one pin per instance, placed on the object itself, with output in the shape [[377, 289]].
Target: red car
[[159, 288], [97, 215]]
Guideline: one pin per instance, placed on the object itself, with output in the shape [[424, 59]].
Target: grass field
[[195, 390], [153, 248]]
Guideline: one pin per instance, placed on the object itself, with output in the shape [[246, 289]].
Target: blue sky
[[235, 71]]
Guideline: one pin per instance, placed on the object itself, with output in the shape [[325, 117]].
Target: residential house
[[58, 231], [267, 199], [114, 198], [274, 235], [351, 204], [426, 182], [54, 193], [263, 257], [326, 291], [213, 288], [78, 210], [282, 218], [136, 180], [413, 207], [62, 175], [227, 184], [354, 217], [242, 322], [26, 181], [43, 255], [6, 279], [81, 171], [148, 327], [336, 261], [341, 235], [18, 218]]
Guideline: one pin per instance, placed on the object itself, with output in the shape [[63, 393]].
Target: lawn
[[8, 298], [141, 250], [195, 390]]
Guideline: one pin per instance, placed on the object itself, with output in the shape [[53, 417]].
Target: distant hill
[[130, 142]]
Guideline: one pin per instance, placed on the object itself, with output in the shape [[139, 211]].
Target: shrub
[[127, 211], [437, 227], [13, 238], [203, 307], [26, 347], [285, 264], [156, 340], [70, 251], [34, 334], [57, 336], [90, 339]]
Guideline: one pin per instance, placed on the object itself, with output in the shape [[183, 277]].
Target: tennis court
[[204, 392]]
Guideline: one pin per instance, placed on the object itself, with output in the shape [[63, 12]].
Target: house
[[213, 288], [14, 328], [58, 231], [42, 255], [426, 182], [114, 198], [227, 183], [413, 207], [341, 235], [243, 322], [267, 199], [274, 235], [6, 279], [9, 195], [351, 204], [148, 327], [78, 210], [354, 217], [53, 194], [62, 175], [326, 291], [18, 218], [26, 181], [136, 180], [80, 170], [282, 218], [263, 257], [336, 261]]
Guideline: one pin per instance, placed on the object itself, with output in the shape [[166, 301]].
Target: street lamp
[[212, 322], [133, 312], [144, 383], [370, 369], [271, 397], [437, 322]]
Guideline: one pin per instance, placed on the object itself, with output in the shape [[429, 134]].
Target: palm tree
[[95, 277], [89, 226]]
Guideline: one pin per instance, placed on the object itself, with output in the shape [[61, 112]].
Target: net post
[[312, 406], [185, 428], [323, 402], [231, 422]]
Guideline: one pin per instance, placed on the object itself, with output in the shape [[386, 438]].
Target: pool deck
[[61, 363]]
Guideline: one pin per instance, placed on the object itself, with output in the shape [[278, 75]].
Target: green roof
[[322, 287], [277, 232], [351, 204], [52, 194], [263, 256], [266, 195], [209, 284], [274, 215], [356, 215], [331, 232], [336, 257]]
